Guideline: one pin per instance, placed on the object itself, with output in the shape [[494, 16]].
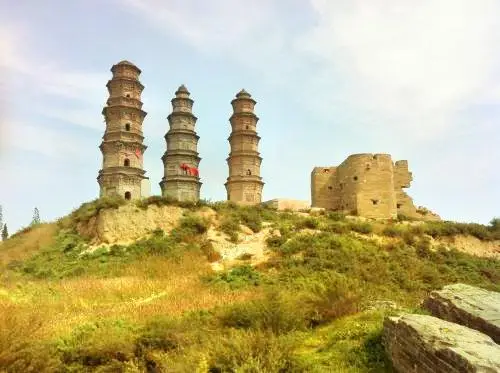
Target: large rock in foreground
[[426, 344], [467, 305]]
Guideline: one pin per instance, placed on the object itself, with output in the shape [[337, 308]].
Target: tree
[[5, 233], [36, 217]]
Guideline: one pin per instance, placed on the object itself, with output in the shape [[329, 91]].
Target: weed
[[237, 277]]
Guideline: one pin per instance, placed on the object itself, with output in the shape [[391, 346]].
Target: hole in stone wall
[[355, 178], [128, 195], [127, 95], [330, 187], [399, 205], [247, 127], [126, 162], [375, 201], [249, 172], [127, 127]]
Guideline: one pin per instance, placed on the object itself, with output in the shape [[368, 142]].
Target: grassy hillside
[[316, 305]]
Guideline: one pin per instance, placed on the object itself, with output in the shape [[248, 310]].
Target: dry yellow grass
[[27, 244], [152, 287]]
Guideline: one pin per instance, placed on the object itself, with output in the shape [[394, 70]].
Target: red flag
[[138, 153]]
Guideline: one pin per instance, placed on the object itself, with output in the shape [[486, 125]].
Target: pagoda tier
[[122, 147], [181, 179], [244, 184]]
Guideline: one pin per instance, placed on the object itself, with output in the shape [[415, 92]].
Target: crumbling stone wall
[[368, 185], [323, 182]]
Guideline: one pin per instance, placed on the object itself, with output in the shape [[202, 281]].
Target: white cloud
[[413, 64], [48, 142], [210, 24], [19, 63], [398, 65], [252, 33]]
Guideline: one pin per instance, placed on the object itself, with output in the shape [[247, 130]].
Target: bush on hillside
[[255, 351], [237, 277], [90, 209], [361, 227]]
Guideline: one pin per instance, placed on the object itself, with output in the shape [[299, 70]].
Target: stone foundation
[[426, 344], [467, 305]]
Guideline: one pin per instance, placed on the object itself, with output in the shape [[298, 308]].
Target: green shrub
[[274, 313], [252, 219], [336, 227], [361, 227], [91, 209], [208, 249], [393, 231], [330, 299], [309, 223], [98, 344], [230, 225], [275, 241], [189, 228], [160, 333], [237, 277], [438, 229], [255, 351], [336, 216]]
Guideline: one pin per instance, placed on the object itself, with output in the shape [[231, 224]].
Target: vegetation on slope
[[155, 306]]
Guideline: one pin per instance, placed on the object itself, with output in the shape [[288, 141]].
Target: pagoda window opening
[[375, 201], [249, 172], [128, 196], [126, 162], [127, 95], [127, 127]]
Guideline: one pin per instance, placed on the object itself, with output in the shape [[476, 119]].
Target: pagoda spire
[[181, 180], [122, 145], [244, 184]]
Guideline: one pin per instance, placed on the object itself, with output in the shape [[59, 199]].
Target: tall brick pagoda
[[244, 184], [122, 145], [181, 179]]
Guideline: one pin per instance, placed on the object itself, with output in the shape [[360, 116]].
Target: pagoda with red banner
[[122, 145], [181, 180]]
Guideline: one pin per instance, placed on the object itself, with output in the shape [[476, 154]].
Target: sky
[[417, 79]]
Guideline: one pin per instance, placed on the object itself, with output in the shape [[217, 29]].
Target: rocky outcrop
[[467, 305], [128, 223], [426, 344]]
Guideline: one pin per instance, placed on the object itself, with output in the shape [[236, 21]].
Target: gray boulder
[[467, 305], [426, 344]]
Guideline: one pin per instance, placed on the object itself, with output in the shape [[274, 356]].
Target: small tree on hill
[[5, 233], [36, 217]]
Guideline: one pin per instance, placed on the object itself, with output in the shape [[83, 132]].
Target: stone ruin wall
[[402, 179], [368, 185], [322, 184]]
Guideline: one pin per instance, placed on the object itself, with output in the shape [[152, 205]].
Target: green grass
[[317, 305]]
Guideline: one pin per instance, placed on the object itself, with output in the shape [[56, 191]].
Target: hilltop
[[160, 286]]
